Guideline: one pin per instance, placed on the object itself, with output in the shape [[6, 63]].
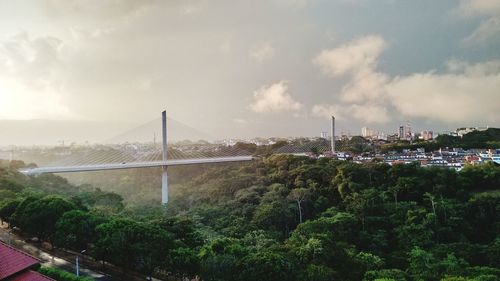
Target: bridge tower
[[164, 175], [332, 144]]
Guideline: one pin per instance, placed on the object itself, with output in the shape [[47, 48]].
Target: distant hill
[[489, 138], [53, 132], [491, 134]]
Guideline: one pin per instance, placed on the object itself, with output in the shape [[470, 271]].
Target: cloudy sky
[[249, 68]]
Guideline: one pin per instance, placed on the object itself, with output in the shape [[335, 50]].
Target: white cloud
[[225, 47], [239, 121], [263, 52], [274, 98], [32, 60], [489, 28], [327, 110], [363, 96], [144, 85], [478, 69], [369, 113], [19, 102], [365, 86], [459, 98], [467, 93], [105, 9], [352, 57], [472, 8], [29, 84]]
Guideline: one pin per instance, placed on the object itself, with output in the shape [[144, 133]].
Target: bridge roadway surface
[[133, 165]]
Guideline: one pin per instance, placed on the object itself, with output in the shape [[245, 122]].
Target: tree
[[385, 274], [131, 244], [299, 195], [483, 209], [266, 266], [184, 262], [403, 184], [422, 265], [8, 208], [76, 230], [39, 216], [222, 259], [315, 272]]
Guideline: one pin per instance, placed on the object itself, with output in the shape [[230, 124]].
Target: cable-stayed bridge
[[139, 152], [136, 155]]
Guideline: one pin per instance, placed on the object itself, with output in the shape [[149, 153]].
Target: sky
[[87, 70]]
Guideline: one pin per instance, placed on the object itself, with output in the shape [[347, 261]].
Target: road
[[47, 259]]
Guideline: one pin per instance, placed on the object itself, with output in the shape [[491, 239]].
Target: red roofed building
[[16, 265]]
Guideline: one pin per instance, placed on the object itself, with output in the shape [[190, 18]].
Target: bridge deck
[[132, 165]]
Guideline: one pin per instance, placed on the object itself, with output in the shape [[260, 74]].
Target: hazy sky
[[250, 68]]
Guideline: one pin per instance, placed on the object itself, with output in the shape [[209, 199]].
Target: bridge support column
[[164, 175], [333, 135], [164, 186]]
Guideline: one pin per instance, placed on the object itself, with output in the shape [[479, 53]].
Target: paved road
[[65, 260], [47, 259]]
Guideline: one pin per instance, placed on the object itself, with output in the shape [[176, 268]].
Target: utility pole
[[78, 263], [164, 175]]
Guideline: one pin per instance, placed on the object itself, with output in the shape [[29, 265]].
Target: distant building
[[463, 131], [401, 132], [367, 132], [404, 132], [426, 135], [392, 138], [408, 132], [324, 135]]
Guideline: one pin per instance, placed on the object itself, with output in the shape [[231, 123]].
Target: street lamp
[[77, 264]]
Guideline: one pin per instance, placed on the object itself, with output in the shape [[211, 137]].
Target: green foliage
[[131, 244], [280, 218], [76, 230], [385, 274], [39, 216], [8, 208], [61, 275]]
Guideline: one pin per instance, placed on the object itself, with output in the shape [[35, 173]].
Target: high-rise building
[[401, 132], [367, 132], [324, 135], [408, 133]]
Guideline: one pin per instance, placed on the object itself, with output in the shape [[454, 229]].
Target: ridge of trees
[[280, 218]]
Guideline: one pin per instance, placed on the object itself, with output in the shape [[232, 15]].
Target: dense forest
[[277, 218]]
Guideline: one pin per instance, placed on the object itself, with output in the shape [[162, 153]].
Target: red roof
[[31, 275], [13, 261]]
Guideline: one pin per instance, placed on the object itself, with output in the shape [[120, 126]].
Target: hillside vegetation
[[279, 218]]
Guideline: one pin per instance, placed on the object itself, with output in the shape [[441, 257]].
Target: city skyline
[[238, 69]]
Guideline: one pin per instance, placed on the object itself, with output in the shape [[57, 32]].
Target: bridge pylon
[[164, 175]]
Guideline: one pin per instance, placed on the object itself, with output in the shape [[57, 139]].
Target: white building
[[367, 132]]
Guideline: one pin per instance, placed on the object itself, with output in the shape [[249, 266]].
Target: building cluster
[[455, 158], [405, 132]]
